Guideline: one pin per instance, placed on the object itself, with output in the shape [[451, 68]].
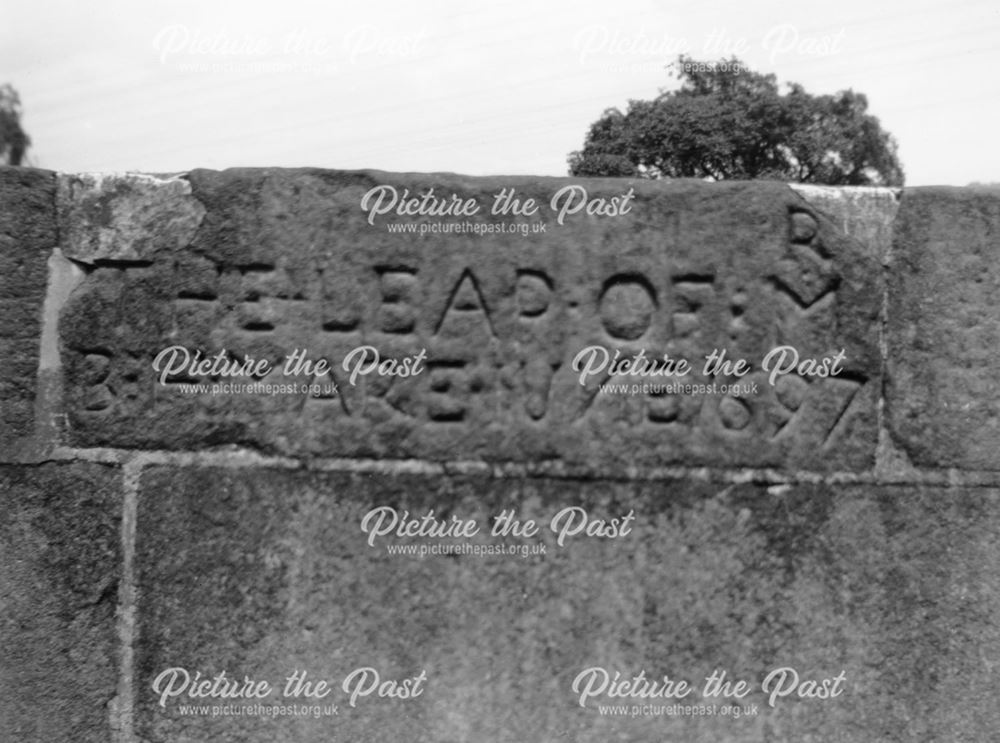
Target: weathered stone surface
[[287, 260], [866, 213], [59, 573], [266, 572], [943, 392], [27, 236], [126, 217]]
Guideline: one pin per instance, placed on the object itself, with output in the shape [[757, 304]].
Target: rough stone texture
[[258, 573], [125, 217], [27, 236], [59, 574], [943, 393], [286, 260], [865, 213]]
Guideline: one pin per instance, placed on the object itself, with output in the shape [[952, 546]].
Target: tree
[[729, 122], [14, 142]]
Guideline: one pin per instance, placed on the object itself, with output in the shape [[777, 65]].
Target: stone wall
[[837, 519]]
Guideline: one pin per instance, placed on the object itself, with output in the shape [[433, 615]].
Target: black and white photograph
[[488, 373]]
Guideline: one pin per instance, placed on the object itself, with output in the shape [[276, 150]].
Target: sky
[[482, 89]]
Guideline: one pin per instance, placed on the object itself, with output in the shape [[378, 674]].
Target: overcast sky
[[503, 87]]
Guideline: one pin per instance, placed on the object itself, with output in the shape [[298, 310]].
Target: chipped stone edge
[[64, 277], [111, 242]]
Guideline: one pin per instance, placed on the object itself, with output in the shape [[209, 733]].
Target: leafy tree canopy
[[14, 141], [729, 122]]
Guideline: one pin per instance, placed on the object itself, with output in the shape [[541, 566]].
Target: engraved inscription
[[500, 321], [534, 293], [399, 289], [466, 310], [804, 274], [627, 305]]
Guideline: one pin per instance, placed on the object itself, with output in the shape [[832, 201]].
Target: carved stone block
[[281, 261]]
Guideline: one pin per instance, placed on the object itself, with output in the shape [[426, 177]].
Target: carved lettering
[[500, 318], [627, 304], [466, 312], [398, 288]]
